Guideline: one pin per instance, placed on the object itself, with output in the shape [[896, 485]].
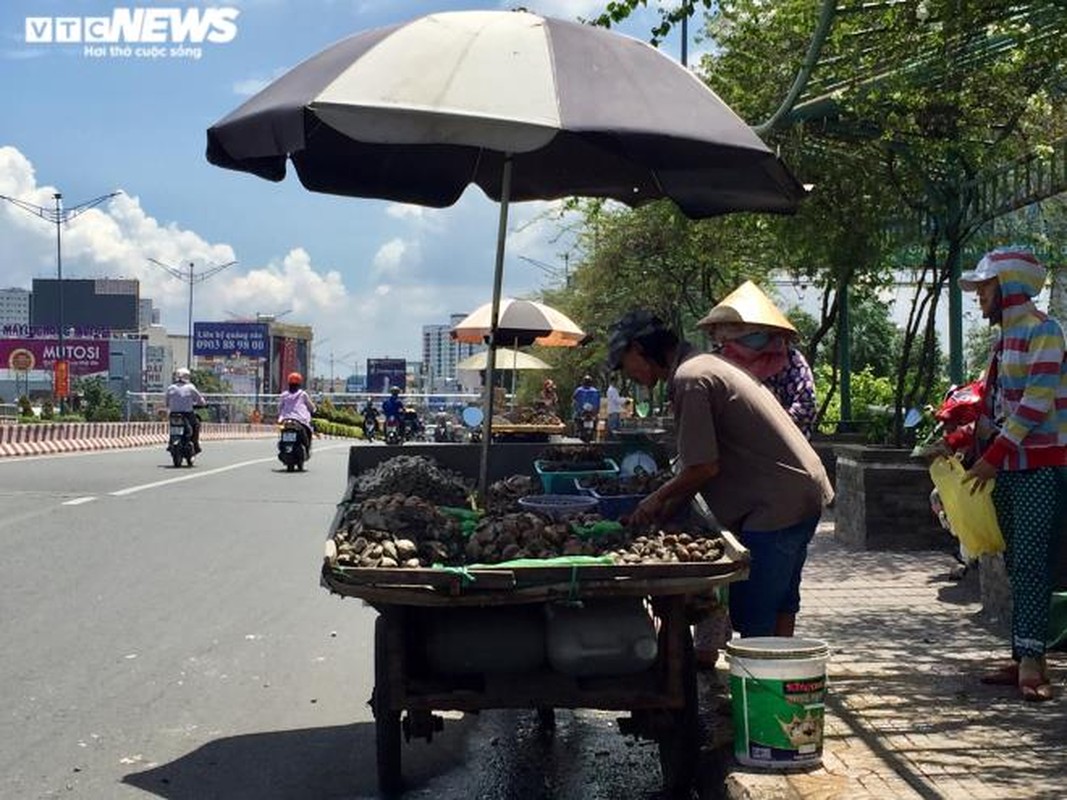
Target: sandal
[[1036, 692], [1033, 681], [1008, 675]]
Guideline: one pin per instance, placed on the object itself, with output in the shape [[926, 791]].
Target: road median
[[26, 439]]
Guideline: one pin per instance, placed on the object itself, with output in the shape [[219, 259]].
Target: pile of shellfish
[[397, 531], [503, 495], [395, 519], [529, 535], [669, 547], [413, 475], [638, 483]]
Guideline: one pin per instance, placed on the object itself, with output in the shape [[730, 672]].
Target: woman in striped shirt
[[1022, 441]]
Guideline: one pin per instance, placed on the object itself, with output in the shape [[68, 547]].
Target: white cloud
[[119, 238], [393, 256]]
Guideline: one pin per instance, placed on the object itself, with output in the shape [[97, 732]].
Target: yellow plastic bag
[[972, 516]]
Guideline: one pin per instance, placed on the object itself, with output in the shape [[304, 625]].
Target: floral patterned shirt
[[794, 387]]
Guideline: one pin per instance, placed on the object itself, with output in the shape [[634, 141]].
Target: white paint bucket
[[777, 687]]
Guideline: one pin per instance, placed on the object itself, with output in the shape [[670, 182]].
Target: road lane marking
[[77, 501], [206, 473]]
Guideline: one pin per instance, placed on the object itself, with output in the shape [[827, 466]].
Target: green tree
[[98, 403], [208, 382]]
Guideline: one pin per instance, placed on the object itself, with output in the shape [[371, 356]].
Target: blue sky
[[366, 274]]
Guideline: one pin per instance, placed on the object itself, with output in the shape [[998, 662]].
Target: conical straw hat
[[747, 303]]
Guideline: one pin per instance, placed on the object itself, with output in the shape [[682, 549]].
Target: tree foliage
[[896, 121], [99, 404]]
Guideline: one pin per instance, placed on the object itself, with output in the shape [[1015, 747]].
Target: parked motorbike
[[180, 439], [587, 424], [292, 445], [444, 430], [953, 434]]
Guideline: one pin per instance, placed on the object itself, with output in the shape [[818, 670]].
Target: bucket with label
[[777, 688]]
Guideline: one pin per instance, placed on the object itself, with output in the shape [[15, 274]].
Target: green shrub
[[329, 428]]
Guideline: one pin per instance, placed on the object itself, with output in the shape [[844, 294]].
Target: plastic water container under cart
[[600, 637]]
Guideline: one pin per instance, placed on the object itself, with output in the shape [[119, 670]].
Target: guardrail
[[64, 437]]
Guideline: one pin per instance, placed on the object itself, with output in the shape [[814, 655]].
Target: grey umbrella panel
[[408, 114], [632, 126]]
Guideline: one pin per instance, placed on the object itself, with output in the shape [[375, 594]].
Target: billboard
[[84, 356], [155, 368], [385, 373], [106, 303], [230, 339]]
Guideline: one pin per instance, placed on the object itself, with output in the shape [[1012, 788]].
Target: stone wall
[[883, 501]]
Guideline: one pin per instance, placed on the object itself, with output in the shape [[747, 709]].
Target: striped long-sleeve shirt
[[1027, 392]]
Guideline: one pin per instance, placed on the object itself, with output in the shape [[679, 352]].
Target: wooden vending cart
[[410, 685]]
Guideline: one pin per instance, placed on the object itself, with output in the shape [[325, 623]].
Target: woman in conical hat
[[750, 331]]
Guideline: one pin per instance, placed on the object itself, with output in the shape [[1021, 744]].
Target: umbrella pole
[[514, 368], [494, 317]]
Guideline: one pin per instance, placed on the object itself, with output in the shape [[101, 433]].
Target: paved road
[[164, 635]]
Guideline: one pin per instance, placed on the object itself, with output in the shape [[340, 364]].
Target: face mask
[[756, 340]]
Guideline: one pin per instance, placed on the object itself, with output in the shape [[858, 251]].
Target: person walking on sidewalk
[[1022, 442], [739, 448]]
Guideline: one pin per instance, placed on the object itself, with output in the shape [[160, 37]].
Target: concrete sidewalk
[[906, 715]]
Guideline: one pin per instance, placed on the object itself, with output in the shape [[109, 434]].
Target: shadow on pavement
[[304, 764]]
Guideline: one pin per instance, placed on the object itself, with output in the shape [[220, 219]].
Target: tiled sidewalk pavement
[[906, 715]]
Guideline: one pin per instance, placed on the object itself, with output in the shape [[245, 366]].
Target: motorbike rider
[[393, 406], [296, 404], [182, 398], [370, 418]]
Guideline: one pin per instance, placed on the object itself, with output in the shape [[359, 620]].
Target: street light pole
[[193, 278], [59, 215]]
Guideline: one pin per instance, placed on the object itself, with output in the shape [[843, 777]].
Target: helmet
[[182, 374], [295, 377], [395, 390]]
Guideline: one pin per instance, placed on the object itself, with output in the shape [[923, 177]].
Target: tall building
[[440, 354], [14, 306], [147, 314]]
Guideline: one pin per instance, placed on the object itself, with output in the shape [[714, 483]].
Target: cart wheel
[[680, 747], [386, 721]]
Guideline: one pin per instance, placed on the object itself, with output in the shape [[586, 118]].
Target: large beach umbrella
[[526, 107]]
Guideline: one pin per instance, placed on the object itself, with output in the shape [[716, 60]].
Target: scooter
[[587, 424], [180, 439], [393, 433], [953, 433], [292, 445], [443, 430], [370, 425], [411, 425]]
